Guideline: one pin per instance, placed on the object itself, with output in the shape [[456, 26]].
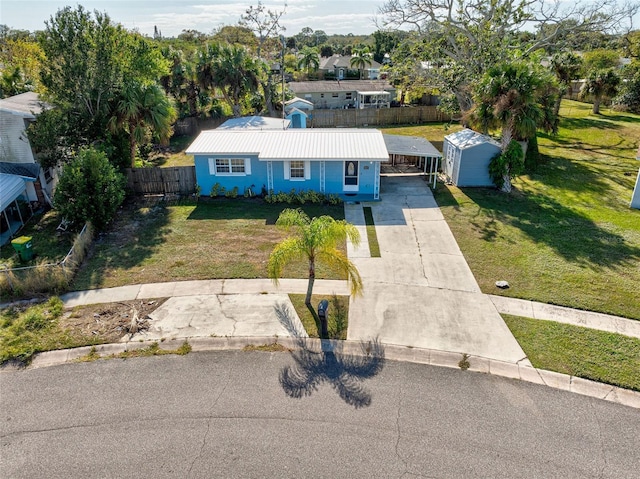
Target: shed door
[[351, 176]]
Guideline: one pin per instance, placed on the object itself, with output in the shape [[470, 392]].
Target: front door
[[350, 176]]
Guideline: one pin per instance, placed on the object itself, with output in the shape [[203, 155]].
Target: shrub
[[509, 162], [232, 193], [90, 189], [216, 190]]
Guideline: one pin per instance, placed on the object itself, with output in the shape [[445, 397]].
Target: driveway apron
[[421, 292]]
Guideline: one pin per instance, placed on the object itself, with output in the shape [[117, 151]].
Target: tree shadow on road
[[344, 373]]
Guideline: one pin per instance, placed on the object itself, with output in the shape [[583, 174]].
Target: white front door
[[351, 176]]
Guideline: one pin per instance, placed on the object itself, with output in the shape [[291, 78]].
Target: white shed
[[635, 198], [467, 155]]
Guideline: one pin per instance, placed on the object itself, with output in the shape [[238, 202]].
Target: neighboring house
[[16, 114], [338, 66], [467, 155], [345, 94], [635, 198], [345, 162]]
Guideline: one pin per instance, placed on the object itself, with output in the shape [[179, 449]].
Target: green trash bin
[[23, 247]]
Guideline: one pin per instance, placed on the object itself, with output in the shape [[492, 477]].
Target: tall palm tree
[[360, 58], [515, 98], [139, 109], [316, 241], [309, 59], [566, 66], [232, 70], [600, 84]]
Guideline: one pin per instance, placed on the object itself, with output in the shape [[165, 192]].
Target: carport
[[415, 151]]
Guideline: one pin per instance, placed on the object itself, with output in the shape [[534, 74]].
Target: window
[[335, 95], [297, 169], [348, 96], [321, 95], [229, 166]]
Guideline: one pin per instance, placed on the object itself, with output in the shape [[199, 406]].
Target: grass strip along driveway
[[587, 353], [566, 234], [155, 241]]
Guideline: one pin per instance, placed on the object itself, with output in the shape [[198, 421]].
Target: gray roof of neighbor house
[[319, 144], [255, 123], [25, 104], [344, 61], [327, 86], [410, 146], [25, 170], [468, 138]]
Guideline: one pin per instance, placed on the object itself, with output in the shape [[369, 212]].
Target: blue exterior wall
[[334, 177], [474, 165]]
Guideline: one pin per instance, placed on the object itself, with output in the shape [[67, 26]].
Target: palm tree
[[516, 98], [231, 69], [140, 108], [309, 59], [600, 84], [566, 66], [314, 240], [360, 58]]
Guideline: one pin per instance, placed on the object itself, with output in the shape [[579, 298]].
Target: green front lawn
[[210, 239], [587, 353], [566, 235]]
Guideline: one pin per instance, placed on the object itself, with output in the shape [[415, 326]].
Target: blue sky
[[172, 16]]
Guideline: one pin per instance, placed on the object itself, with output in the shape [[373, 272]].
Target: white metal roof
[[11, 186], [468, 138], [294, 144], [256, 123], [410, 146]]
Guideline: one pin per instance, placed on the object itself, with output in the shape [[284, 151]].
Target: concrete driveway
[[421, 292]]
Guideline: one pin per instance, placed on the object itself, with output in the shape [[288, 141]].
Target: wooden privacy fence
[[375, 116], [177, 180]]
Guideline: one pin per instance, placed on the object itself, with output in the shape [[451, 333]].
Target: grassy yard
[[173, 155], [566, 235], [49, 246], [587, 353], [434, 132], [224, 238]]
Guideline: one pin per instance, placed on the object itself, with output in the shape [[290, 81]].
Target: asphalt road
[[240, 414]]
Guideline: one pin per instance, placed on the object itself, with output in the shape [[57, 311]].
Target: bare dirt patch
[[110, 322]]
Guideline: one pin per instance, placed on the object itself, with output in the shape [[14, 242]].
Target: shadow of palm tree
[[344, 373]]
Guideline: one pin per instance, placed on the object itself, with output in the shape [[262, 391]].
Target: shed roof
[[294, 144], [468, 139], [11, 186], [255, 123], [25, 104], [410, 146]]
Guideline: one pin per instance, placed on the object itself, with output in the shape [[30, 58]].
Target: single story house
[[16, 114], [345, 162], [635, 198], [337, 66], [467, 155], [14, 205], [414, 151], [345, 94]]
